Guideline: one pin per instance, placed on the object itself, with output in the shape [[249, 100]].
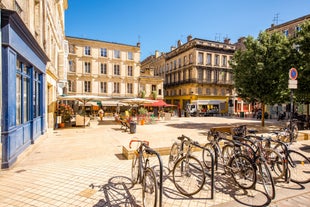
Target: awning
[[113, 103], [158, 103]]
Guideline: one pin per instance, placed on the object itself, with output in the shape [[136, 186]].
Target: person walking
[[101, 112]]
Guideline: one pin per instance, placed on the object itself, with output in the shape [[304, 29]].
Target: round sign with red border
[[293, 74]]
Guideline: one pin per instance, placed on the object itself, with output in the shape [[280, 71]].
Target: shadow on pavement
[[116, 193]]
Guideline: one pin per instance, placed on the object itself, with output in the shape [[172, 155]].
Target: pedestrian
[[101, 112]]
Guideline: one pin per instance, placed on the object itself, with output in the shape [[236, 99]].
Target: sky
[[159, 24]]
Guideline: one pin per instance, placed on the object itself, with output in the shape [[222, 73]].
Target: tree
[[301, 53], [260, 72]]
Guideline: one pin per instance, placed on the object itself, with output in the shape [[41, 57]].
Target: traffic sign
[[292, 84], [293, 74]]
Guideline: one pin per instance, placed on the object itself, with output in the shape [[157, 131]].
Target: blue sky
[[159, 24]]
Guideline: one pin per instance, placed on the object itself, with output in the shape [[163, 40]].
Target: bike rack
[[151, 151], [196, 144]]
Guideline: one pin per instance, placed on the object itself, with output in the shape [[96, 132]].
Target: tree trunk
[[263, 114]]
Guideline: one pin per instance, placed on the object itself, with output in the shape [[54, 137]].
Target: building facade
[[33, 65], [103, 68], [197, 70]]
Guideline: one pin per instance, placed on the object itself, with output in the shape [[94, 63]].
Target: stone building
[[197, 70], [289, 28], [33, 68], [103, 68]]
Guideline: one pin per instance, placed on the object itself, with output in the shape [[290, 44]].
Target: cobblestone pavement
[[84, 167]]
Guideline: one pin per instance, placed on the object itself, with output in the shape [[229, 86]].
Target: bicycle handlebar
[[144, 142]]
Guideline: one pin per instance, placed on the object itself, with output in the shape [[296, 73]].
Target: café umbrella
[[83, 99]]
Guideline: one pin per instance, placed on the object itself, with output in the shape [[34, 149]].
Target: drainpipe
[[0, 90]]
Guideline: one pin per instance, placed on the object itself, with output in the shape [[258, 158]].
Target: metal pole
[[291, 117]]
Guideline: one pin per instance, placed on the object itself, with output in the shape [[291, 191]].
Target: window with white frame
[[209, 75], [130, 71], [116, 88], [87, 50], [87, 86], [129, 88], [130, 55], [103, 68], [200, 58], [217, 60], [209, 59], [103, 87], [224, 61], [117, 54], [87, 67], [103, 52], [116, 70]]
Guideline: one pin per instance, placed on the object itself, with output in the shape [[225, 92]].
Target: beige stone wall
[[78, 75]]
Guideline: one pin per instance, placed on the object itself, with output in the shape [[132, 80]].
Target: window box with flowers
[[66, 112]]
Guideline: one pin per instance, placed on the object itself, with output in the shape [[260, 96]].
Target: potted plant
[[142, 112]]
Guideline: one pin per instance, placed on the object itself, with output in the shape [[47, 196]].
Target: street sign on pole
[[293, 74], [292, 84]]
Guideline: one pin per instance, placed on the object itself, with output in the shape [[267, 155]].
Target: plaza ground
[[85, 167]]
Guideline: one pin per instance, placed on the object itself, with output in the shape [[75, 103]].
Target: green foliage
[[260, 72]]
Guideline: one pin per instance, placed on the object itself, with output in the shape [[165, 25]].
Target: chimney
[[156, 53], [179, 43], [189, 38], [138, 44], [172, 48], [227, 41]]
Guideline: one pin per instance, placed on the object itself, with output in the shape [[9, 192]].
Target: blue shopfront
[[23, 84]]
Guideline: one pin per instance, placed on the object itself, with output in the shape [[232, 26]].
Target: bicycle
[[141, 172], [224, 153], [188, 172], [296, 167], [248, 162]]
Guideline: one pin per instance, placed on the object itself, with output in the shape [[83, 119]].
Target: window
[[70, 85], [174, 64], [200, 75], [116, 88], [208, 91], [130, 56], [179, 62], [103, 52], [87, 86], [217, 60], [215, 91], [159, 92], [117, 54], [129, 88], [130, 72], [86, 50], [224, 61], [190, 58], [153, 87], [103, 68], [209, 59], [185, 60], [71, 66], [200, 58], [209, 75], [87, 67], [36, 93], [103, 87], [116, 70], [285, 33], [23, 93]]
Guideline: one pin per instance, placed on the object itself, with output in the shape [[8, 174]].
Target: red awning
[[158, 103]]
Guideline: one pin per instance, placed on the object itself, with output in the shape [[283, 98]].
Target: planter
[[61, 125], [142, 122]]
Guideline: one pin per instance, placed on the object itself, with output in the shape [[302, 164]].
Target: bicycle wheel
[[188, 175], [242, 171], [149, 188], [275, 161], [207, 156], [299, 166], [135, 168], [267, 180], [173, 156], [227, 153]]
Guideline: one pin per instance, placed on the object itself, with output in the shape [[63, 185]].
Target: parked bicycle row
[[249, 159]]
